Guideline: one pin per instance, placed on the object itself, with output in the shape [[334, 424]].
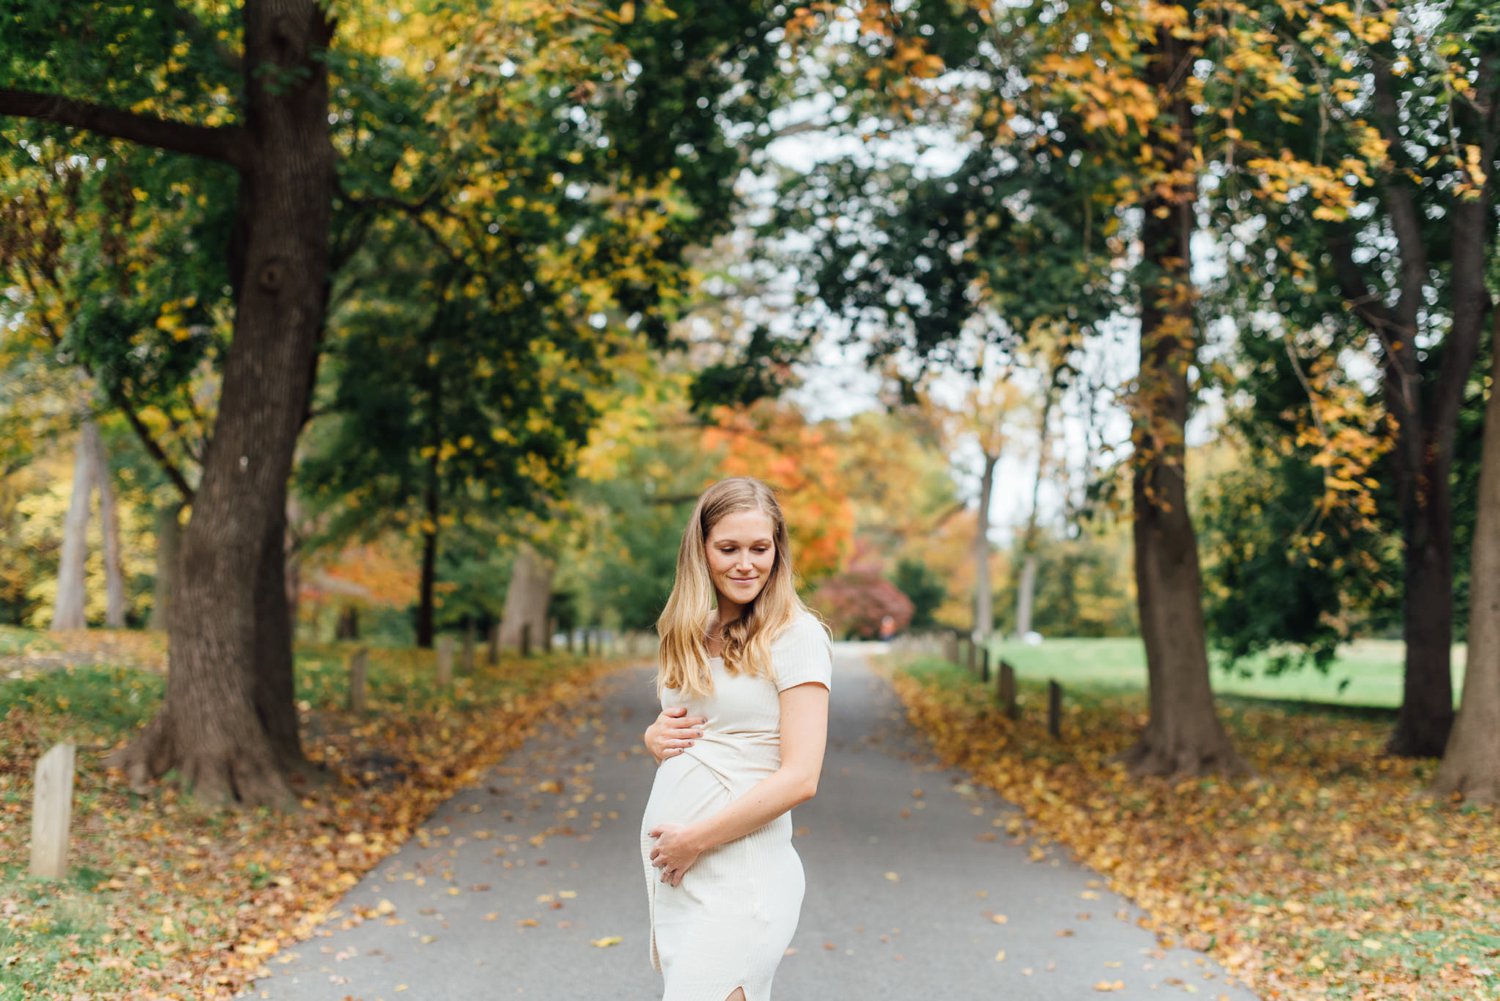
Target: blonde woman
[[743, 678]]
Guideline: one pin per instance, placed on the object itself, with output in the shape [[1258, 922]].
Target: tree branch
[[225, 143]]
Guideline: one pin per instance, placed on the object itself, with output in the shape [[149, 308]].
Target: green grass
[[1365, 673], [64, 923], [15, 640]]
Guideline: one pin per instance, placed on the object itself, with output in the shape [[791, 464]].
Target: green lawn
[[1366, 673]]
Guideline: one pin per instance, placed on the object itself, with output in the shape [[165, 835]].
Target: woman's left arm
[[804, 735]]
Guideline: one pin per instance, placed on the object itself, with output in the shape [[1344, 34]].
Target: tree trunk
[[1471, 764], [526, 599], [1183, 734], [426, 607], [223, 725], [1026, 589], [72, 595], [168, 546], [984, 600], [1026, 594], [109, 523], [274, 666]]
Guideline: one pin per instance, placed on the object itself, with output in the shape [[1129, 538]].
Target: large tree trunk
[[275, 687], [227, 697], [984, 598], [72, 595], [1426, 715], [1471, 764], [527, 599], [168, 546], [109, 524], [1183, 734]]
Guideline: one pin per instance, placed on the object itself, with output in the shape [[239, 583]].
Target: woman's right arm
[[672, 732]]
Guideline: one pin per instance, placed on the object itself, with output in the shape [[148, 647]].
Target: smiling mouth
[[743, 580]]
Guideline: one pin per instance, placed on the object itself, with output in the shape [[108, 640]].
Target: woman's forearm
[[767, 799]]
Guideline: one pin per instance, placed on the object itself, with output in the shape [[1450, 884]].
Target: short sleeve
[[802, 654]]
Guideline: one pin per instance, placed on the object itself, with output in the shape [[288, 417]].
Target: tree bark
[[1026, 589], [1183, 734], [274, 665], [109, 523], [1471, 763], [68, 610], [426, 601], [223, 725], [526, 599], [168, 546], [984, 599]]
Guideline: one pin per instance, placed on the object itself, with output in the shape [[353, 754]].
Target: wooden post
[[1054, 709], [445, 661], [547, 636], [984, 666], [495, 645], [358, 664], [973, 655], [52, 812], [1008, 688], [526, 639], [950, 648], [468, 662], [571, 638]]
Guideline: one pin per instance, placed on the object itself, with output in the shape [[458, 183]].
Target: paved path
[[914, 886]]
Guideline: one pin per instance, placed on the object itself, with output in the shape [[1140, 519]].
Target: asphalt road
[[918, 885]]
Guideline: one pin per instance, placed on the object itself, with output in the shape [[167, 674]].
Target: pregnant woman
[[743, 678]]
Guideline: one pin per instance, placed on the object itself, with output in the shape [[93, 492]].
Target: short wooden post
[[495, 645], [1054, 709], [547, 635], [1008, 689], [359, 662], [570, 638], [52, 812], [984, 666], [973, 655], [444, 661], [526, 639], [468, 661]]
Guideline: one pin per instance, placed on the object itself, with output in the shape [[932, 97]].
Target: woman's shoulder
[[804, 628]]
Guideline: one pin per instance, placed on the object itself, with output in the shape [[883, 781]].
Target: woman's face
[[741, 552]]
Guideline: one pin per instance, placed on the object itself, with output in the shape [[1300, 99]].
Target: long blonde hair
[[691, 610]]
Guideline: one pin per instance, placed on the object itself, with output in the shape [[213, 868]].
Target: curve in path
[[916, 887]]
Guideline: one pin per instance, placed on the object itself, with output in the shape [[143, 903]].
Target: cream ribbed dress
[[728, 923]]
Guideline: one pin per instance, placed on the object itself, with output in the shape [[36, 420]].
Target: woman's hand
[[675, 852], [672, 733]]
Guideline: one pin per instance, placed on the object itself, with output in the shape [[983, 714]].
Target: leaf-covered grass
[[167, 899], [1328, 875], [1365, 673], [15, 640]]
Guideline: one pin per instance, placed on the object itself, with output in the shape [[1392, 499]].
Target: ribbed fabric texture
[[729, 921]]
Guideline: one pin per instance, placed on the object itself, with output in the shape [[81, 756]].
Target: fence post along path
[[52, 812], [359, 662]]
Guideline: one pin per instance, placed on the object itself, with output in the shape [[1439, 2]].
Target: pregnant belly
[[685, 790]]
